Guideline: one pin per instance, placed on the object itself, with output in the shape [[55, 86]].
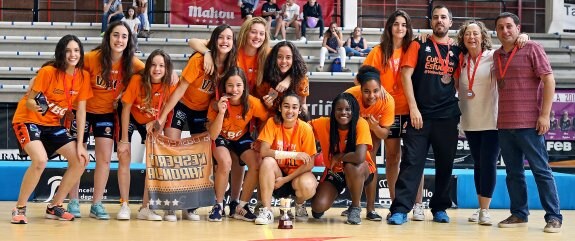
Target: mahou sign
[[216, 12]]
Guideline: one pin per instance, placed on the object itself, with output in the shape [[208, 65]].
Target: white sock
[[221, 205]]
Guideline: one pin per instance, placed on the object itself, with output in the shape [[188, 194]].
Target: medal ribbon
[[470, 77], [444, 63], [502, 71]]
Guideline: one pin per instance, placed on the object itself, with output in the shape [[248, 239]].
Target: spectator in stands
[[289, 17], [247, 8], [345, 141], [332, 44], [189, 103], [39, 130], [312, 18], [386, 58], [270, 12], [565, 123], [134, 23], [142, 13], [427, 70], [113, 11], [283, 62], [140, 106], [111, 66], [233, 138], [526, 89], [478, 104], [356, 44], [287, 163]]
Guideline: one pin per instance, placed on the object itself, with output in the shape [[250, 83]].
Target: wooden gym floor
[[330, 227]]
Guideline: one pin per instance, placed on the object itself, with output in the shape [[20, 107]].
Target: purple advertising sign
[[561, 119]]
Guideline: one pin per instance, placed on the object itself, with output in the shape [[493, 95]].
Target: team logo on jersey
[[428, 49], [34, 128]]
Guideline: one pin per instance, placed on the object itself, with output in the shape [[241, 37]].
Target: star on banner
[[175, 202], [167, 202], [158, 202]]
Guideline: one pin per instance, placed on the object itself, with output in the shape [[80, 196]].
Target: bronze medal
[[68, 118], [446, 79]]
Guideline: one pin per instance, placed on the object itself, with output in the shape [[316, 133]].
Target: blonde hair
[[262, 50], [485, 38]]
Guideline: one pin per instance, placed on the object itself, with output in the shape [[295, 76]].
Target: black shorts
[[284, 191], [337, 179], [246, 9], [134, 125], [52, 137], [238, 146], [101, 125], [181, 114], [397, 130]]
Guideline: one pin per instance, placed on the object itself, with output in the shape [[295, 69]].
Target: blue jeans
[[520, 144], [355, 52], [105, 22]]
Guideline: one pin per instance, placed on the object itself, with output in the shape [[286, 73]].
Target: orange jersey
[[134, 94], [383, 109], [201, 89], [235, 124], [300, 141], [390, 77], [105, 93], [50, 82], [249, 64], [321, 132]]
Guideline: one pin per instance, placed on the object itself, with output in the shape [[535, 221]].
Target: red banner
[[216, 12]]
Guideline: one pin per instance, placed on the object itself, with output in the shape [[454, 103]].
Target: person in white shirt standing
[[289, 17]]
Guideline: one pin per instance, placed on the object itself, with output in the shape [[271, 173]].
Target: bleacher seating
[[24, 46]]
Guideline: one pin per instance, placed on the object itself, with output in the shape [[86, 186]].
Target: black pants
[[484, 147], [319, 24], [441, 134]]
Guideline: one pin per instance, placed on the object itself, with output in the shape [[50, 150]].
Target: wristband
[[285, 154], [124, 142], [206, 52]]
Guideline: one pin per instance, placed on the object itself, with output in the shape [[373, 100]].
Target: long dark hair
[[106, 54], [59, 61], [278, 118], [386, 44], [333, 125], [230, 60], [236, 71], [147, 78], [272, 73]]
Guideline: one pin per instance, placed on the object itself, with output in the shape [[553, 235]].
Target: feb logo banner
[[216, 12]]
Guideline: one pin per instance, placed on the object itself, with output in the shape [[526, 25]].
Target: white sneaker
[[265, 217], [300, 211], [191, 214], [484, 217], [303, 39], [148, 214], [418, 212], [170, 216], [125, 212], [475, 216]]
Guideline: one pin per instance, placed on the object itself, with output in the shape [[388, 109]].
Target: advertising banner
[[216, 12]]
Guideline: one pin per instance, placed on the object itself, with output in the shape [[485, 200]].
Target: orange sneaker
[[19, 215], [57, 212]]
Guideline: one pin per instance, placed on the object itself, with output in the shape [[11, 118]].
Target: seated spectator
[[356, 44], [312, 18], [270, 11], [134, 24], [333, 45], [288, 16], [113, 11], [142, 14], [247, 8]]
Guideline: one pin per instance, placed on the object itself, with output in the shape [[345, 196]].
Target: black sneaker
[[244, 213], [232, 205], [373, 216]]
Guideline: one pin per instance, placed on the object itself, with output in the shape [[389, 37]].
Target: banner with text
[[179, 172], [216, 12], [569, 17]]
